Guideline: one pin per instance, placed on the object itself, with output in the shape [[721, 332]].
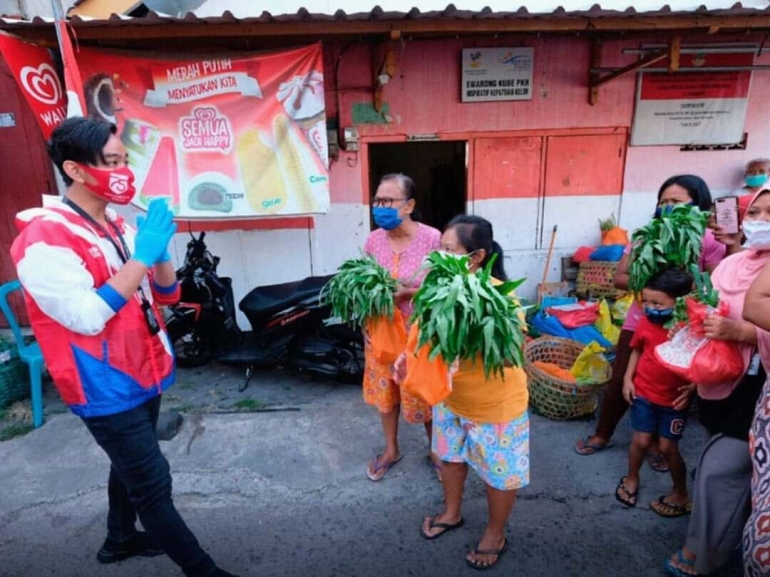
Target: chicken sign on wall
[[226, 136]]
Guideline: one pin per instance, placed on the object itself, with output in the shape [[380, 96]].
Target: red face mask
[[113, 185]]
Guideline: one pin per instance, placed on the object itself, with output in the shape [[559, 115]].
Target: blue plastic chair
[[30, 354]]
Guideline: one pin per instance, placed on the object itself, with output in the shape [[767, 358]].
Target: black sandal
[[481, 566], [445, 526], [627, 502]]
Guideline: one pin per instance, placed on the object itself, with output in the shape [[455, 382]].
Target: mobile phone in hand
[[726, 214]]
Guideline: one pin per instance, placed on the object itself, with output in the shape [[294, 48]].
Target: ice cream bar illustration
[[302, 98], [141, 140], [261, 174], [163, 176], [288, 151]]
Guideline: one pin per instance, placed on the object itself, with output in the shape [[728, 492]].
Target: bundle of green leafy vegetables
[[464, 315], [704, 293], [672, 240], [360, 290]]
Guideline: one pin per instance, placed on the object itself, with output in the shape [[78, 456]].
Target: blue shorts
[[647, 417]]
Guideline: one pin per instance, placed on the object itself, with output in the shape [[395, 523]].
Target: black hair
[[475, 233], [695, 186], [79, 140], [674, 282], [407, 186]]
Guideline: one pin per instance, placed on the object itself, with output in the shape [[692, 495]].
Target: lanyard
[[124, 254], [122, 250]]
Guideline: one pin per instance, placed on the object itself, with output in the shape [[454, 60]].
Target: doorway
[[438, 168]]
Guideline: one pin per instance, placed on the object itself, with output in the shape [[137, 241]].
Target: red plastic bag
[[583, 254], [700, 360], [575, 315]]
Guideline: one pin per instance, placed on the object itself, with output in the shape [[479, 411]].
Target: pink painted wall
[[424, 97]]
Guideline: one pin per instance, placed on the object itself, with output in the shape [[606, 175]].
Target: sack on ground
[[387, 337]]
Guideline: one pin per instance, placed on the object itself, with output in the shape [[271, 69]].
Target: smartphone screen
[[726, 214]]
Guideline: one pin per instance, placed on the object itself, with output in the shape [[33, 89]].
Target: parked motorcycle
[[289, 325]]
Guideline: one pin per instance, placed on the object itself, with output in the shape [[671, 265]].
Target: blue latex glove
[[153, 234]]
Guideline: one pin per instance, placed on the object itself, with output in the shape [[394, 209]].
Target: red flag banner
[[222, 136], [33, 68]]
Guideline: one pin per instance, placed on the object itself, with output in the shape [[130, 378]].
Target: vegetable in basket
[[464, 315], [673, 239]]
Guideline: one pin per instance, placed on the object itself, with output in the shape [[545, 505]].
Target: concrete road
[[285, 494]]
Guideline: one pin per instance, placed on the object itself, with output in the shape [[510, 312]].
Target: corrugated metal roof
[[318, 11]]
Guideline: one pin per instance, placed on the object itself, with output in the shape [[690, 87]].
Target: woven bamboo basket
[[596, 278], [14, 377], [550, 396]]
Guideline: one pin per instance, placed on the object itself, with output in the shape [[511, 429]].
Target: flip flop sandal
[[481, 566], [627, 502], [656, 463], [377, 472], [587, 448], [678, 510], [672, 569], [445, 526]]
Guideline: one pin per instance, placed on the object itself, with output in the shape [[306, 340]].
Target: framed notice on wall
[[497, 74], [693, 107]]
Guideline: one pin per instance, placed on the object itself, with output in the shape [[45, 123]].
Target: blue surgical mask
[[659, 316], [756, 180], [387, 218]]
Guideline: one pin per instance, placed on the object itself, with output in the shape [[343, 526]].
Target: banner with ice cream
[[221, 137]]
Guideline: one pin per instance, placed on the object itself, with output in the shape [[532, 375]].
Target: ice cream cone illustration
[[302, 98], [261, 174], [163, 176]]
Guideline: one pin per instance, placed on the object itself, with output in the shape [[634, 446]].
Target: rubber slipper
[[445, 526], [672, 569], [656, 463], [587, 448], [678, 510], [627, 502], [377, 469], [482, 567]]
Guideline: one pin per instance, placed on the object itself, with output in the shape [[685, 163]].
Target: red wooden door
[[25, 170], [583, 183], [506, 187]]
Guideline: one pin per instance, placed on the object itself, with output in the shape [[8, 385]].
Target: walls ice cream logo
[[41, 83], [206, 129]]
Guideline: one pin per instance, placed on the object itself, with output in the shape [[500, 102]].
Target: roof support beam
[[596, 80]]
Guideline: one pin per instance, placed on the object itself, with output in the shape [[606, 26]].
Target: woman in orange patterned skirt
[[400, 245]]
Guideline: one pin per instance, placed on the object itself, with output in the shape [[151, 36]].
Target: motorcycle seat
[[261, 303]]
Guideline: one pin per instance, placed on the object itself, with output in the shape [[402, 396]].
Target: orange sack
[[429, 380], [387, 337], [615, 235]]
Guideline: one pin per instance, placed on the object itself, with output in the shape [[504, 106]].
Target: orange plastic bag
[[615, 235], [555, 371], [431, 380], [387, 338]]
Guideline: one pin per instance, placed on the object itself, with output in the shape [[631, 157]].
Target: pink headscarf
[[732, 278]]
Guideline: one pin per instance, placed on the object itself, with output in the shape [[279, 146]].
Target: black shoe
[[137, 546]]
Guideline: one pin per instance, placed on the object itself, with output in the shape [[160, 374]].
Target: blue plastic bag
[[609, 253], [549, 325]]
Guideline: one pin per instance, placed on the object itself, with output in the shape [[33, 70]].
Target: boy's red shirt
[[653, 381]]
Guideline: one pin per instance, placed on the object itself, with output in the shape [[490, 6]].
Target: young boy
[[653, 393]]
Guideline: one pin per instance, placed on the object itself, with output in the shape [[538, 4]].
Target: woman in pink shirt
[[400, 245], [682, 189]]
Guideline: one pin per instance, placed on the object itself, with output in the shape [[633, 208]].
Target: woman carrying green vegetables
[[399, 245], [483, 422], [677, 190]]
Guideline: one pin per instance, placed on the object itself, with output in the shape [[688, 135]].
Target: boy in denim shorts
[[654, 395]]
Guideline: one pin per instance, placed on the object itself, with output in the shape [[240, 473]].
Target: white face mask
[[757, 234]]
